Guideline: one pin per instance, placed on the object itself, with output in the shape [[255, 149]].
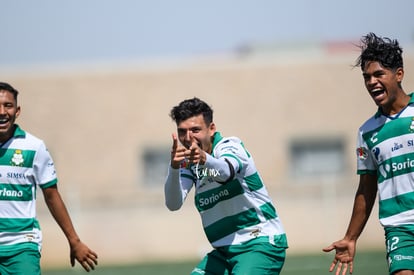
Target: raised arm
[[175, 188]]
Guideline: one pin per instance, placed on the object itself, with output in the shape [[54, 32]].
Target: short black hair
[[192, 107], [384, 50], [7, 87]]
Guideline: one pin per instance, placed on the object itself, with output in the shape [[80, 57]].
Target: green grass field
[[366, 263]]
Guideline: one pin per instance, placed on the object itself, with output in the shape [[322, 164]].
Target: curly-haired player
[[385, 160]]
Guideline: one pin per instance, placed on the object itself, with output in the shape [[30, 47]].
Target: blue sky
[[52, 31]]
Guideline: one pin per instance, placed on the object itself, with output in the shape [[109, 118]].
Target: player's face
[[195, 129], [384, 85], [9, 111]]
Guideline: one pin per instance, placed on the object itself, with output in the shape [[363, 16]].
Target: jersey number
[[392, 244]]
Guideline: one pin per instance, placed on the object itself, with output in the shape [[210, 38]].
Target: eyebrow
[[188, 129]]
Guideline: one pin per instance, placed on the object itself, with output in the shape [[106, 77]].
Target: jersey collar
[[379, 113], [216, 138], [18, 132]]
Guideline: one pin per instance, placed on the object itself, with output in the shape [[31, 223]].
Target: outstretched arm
[[222, 169], [78, 250], [363, 203], [175, 188]]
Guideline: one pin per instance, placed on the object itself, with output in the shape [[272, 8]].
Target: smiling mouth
[[377, 92], [3, 120]]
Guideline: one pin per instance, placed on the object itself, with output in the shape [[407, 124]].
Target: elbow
[[173, 206]]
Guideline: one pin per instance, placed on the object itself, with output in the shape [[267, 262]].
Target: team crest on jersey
[[17, 159], [412, 125], [362, 153]]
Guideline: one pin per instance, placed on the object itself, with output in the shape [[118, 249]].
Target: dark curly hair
[[7, 87], [192, 107], [381, 49]]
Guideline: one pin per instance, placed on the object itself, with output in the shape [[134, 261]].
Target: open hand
[[344, 256], [85, 256]]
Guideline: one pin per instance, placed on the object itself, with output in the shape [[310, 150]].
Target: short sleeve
[[44, 168]]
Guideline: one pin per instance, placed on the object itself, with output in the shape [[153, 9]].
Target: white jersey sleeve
[[43, 167], [176, 189]]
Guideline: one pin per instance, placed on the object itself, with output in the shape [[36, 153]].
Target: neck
[[5, 136], [397, 106]]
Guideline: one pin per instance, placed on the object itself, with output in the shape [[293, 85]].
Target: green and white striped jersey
[[386, 148], [25, 164], [236, 211]]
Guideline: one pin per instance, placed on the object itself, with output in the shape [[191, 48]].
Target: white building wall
[[98, 121]]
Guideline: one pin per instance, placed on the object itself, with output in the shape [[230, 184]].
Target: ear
[[399, 74], [17, 111], [212, 129]]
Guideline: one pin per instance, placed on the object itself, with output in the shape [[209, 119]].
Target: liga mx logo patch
[[185, 164], [362, 153]]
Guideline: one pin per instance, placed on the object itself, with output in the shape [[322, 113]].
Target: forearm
[[359, 218], [221, 170], [173, 192], [60, 213], [363, 204]]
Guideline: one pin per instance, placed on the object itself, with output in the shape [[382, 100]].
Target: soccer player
[[385, 154], [26, 164], [238, 216]]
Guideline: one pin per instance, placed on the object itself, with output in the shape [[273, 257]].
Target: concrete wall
[[97, 121]]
